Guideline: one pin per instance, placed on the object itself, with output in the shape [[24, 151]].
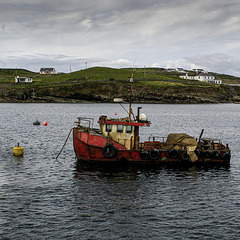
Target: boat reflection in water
[[126, 171]]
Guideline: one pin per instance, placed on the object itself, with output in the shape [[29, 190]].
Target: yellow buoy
[[18, 150]]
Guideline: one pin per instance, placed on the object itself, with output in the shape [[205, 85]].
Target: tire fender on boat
[[109, 151], [226, 156], [216, 154], [173, 153], [144, 155], [207, 154], [185, 156], [154, 154]]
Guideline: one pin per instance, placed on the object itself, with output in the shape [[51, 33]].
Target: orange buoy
[[45, 123]]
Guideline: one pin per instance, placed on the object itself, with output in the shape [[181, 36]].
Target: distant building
[[202, 76], [170, 69], [179, 70], [23, 80], [198, 70], [47, 71]]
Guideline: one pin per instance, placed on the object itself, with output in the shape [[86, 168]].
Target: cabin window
[[108, 127], [120, 128], [128, 129]]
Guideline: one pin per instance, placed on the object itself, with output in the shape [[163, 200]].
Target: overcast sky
[[74, 34]]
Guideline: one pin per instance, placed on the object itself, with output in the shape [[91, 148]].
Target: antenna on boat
[[131, 88]]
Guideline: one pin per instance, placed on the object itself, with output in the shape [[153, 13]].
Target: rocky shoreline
[[168, 100], [105, 93]]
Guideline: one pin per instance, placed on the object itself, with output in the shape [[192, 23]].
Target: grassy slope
[[8, 75], [103, 74], [114, 81]]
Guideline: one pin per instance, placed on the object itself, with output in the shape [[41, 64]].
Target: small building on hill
[[23, 79], [47, 71], [180, 70], [203, 77], [198, 70]]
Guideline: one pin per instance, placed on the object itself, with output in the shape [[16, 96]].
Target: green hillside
[[8, 75], [102, 74], [104, 84]]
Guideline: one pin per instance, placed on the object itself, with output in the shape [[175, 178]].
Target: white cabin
[[23, 79], [203, 77]]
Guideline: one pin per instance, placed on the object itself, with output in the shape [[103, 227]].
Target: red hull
[[91, 147]]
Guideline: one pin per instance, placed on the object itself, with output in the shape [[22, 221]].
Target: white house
[[203, 77], [186, 76], [180, 70], [198, 70], [47, 71], [23, 80]]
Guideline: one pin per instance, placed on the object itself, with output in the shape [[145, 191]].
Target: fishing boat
[[117, 140]]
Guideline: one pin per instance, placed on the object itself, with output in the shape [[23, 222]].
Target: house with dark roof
[[47, 71]]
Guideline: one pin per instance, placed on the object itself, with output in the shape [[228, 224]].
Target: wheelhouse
[[122, 130]]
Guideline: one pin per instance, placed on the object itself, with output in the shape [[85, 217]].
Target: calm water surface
[[45, 198]]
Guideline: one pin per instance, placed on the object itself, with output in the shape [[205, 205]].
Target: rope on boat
[[64, 143]]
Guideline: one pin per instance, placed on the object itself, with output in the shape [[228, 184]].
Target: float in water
[[18, 150]]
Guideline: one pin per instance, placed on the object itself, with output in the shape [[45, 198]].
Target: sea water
[[42, 197]]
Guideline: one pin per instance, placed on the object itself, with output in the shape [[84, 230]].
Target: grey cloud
[[154, 30], [60, 62], [219, 62]]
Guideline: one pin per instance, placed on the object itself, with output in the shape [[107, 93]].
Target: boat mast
[[130, 104]]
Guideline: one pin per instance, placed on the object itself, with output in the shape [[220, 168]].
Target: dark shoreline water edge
[[168, 100]]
